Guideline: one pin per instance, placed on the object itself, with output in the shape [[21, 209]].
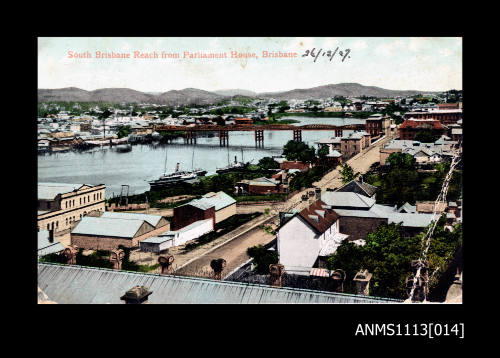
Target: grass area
[[269, 197], [225, 226], [159, 205]]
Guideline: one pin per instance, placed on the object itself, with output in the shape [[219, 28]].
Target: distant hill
[[190, 96], [236, 92], [340, 89]]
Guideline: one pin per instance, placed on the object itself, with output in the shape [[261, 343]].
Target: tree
[[401, 160], [347, 173], [294, 150], [268, 163], [323, 152], [124, 131], [425, 136], [220, 121], [262, 258]]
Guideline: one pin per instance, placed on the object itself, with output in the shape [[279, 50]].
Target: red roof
[[323, 221], [411, 123]]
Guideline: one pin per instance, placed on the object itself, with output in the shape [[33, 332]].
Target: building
[[354, 143], [218, 206], [308, 237], [360, 215], [47, 244], [243, 121], [303, 167], [107, 232], [456, 105], [378, 125], [169, 239], [61, 205], [424, 153], [359, 187], [259, 186], [445, 116], [410, 127]]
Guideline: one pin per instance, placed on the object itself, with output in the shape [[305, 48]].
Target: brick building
[[243, 121], [260, 186], [378, 124], [410, 127], [303, 167], [218, 206], [61, 205], [445, 116]]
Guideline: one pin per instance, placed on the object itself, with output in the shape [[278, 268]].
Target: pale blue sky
[[405, 63]]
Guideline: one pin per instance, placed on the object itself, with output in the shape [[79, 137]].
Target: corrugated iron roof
[[46, 247], [347, 199], [220, 200], [151, 219], [77, 284], [100, 226]]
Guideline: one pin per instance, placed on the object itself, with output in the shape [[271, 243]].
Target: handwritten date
[[329, 54]]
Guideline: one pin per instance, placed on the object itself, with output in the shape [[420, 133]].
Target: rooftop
[[151, 219], [77, 284], [220, 200], [101, 226], [347, 199]]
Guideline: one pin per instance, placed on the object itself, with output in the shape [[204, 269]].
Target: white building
[[310, 234]]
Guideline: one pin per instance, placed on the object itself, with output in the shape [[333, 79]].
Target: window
[[80, 201], [48, 226], [84, 200], [73, 204], [94, 197], [57, 224], [66, 221], [66, 204], [88, 198]]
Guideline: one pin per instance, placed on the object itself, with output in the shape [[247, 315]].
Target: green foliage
[[425, 136], [306, 179], [54, 258], [387, 255], [323, 152], [262, 258], [99, 258], [347, 173], [300, 151], [268, 163], [400, 182], [124, 131]]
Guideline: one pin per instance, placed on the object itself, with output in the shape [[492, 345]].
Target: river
[[146, 162]]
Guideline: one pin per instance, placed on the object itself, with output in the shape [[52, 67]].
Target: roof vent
[[320, 213], [314, 218], [136, 295]]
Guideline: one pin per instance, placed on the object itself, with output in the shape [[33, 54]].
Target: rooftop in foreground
[[88, 285]]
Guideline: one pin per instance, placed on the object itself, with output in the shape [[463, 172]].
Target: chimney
[[361, 179], [116, 257], [166, 264], [338, 277], [362, 282], [136, 295], [51, 235], [235, 160], [69, 254], [218, 266], [318, 193], [177, 167], [276, 272]]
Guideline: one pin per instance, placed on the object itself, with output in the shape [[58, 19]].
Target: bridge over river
[[223, 131]]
